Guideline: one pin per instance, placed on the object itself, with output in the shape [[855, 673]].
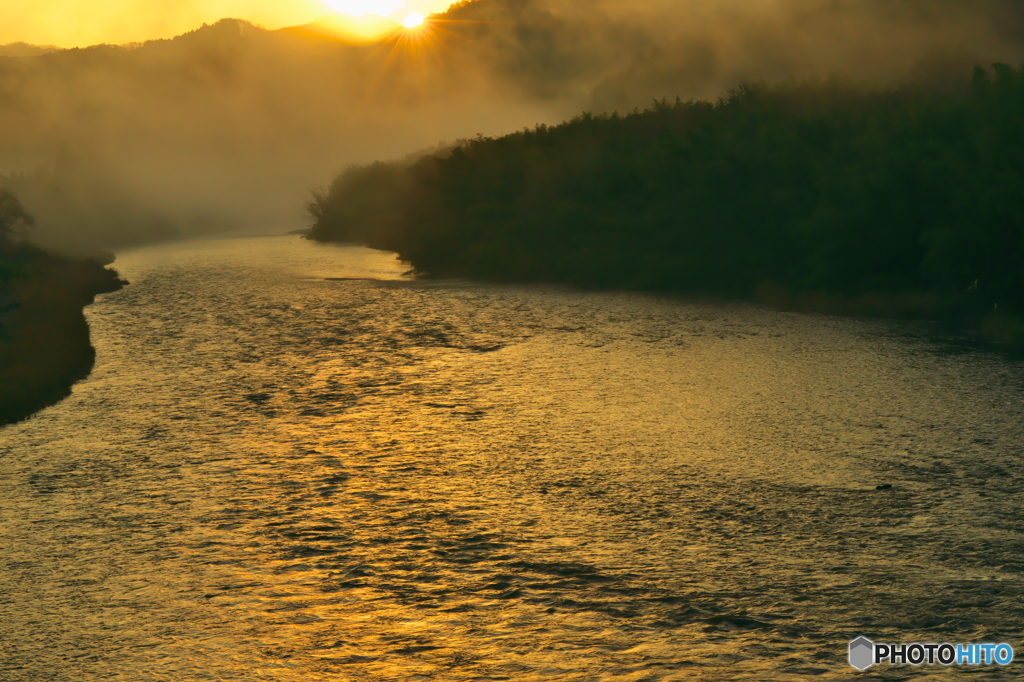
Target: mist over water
[[233, 125], [292, 463]]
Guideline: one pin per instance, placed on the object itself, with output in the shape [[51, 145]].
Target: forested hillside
[[909, 194]]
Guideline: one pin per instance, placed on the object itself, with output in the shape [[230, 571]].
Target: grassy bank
[[827, 195]]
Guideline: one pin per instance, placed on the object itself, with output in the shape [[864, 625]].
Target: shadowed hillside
[[719, 45], [906, 200], [224, 126]]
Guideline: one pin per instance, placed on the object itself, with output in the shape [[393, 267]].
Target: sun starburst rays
[[412, 62]]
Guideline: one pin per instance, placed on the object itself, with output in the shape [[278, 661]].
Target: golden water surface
[[290, 463]]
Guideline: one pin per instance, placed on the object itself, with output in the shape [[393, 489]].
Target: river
[[293, 463]]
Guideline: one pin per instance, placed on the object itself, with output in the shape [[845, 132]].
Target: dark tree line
[[14, 221], [802, 187]]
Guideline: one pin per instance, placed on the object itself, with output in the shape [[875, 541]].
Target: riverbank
[[898, 203], [959, 315], [44, 337]]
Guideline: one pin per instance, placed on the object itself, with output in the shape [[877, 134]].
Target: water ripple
[[292, 464]]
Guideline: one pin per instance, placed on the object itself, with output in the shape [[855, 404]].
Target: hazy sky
[[76, 23]]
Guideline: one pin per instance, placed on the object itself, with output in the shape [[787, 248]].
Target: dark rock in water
[[884, 486]]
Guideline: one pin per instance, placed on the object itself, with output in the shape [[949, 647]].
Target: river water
[[292, 463]]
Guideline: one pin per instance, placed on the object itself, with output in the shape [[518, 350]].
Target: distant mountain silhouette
[[25, 50], [230, 123]]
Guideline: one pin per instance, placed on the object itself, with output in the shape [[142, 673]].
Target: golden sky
[[77, 23]]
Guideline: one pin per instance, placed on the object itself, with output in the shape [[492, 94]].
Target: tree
[[14, 220]]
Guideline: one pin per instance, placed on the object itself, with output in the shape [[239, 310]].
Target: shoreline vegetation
[[824, 196], [44, 337]]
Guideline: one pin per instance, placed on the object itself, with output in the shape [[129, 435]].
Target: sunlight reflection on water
[[292, 463]]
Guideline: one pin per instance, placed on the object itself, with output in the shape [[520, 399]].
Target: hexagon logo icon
[[862, 653]]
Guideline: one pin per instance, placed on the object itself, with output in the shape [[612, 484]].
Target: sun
[[413, 19], [409, 31]]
